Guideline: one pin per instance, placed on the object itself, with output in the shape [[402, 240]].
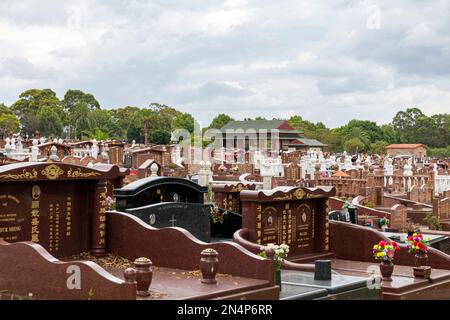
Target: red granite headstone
[[295, 216], [60, 206], [226, 196], [398, 217]]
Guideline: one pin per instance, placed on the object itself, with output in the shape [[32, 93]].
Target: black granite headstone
[[232, 222], [167, 202], [322, 270], [194, 217], [353, 213]]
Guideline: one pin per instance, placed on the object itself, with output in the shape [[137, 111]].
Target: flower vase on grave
[[144, 276], [278, 278], [386, 269], [420, 259], [209, 264]]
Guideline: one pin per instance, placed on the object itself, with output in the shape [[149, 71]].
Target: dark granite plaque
[[156, 190], [194, 217]]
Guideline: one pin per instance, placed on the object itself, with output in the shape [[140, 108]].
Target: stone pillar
[[34, 151], [267, 174], [95, 149], [98, 231]]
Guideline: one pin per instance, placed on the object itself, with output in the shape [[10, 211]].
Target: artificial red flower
[[394, 244]]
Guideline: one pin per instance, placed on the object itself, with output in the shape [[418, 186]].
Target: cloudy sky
[[327, 61]]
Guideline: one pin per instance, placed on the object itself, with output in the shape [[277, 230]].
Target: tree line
[[78, 115]]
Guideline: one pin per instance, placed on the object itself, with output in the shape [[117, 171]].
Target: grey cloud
[[137, 52]]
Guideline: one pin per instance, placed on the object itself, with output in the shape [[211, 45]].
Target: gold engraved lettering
[[79, 174], [52, 172], [24, 175], [299, 194]]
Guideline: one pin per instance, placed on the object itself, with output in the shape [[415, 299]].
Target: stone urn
[[386, 269], [144, 276], [420, 259], [209, 264]]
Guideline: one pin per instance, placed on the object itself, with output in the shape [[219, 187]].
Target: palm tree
[[145, 118], [359, 133], [80, 118]]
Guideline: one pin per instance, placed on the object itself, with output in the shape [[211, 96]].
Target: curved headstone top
[[287, 193], [41, 171], [150, 182], [233, 187], [153, 190]]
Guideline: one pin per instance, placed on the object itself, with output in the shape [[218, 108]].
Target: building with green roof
[[236, 132]]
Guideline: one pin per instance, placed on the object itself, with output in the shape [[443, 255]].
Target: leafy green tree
[[441, 123], [31, 101], [183, 121], [442, 153], [354, 145], [50, 123], [389, 134], [9, 122], [220, 121], [125, 120], [404, 124], [159, 136], [5, 109], [357, 133], [30, 124], [146, 119], [73, 98], [371, 129], [99, 135], [80, 119], [103, 121], [378, 147]]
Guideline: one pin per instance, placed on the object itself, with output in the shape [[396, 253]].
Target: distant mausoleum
[[290, 138], [414, 150]]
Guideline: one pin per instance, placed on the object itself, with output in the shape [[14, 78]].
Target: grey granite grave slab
[[337, 284], [295, 292], [357, 294]]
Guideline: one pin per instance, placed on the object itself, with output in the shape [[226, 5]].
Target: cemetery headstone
[[398, 217], [60, 206], [167, 202], [295, 216]]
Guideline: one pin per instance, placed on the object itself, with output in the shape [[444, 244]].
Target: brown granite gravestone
[[398, 217], [159, 154], [292, 171], [144, 169], [6, 160], [413, 193], [227, 196], [86, 160], [291, 156], [443, 208], [116, 155], [62, 149], [295, 216], [71, 160], [60, 206]]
